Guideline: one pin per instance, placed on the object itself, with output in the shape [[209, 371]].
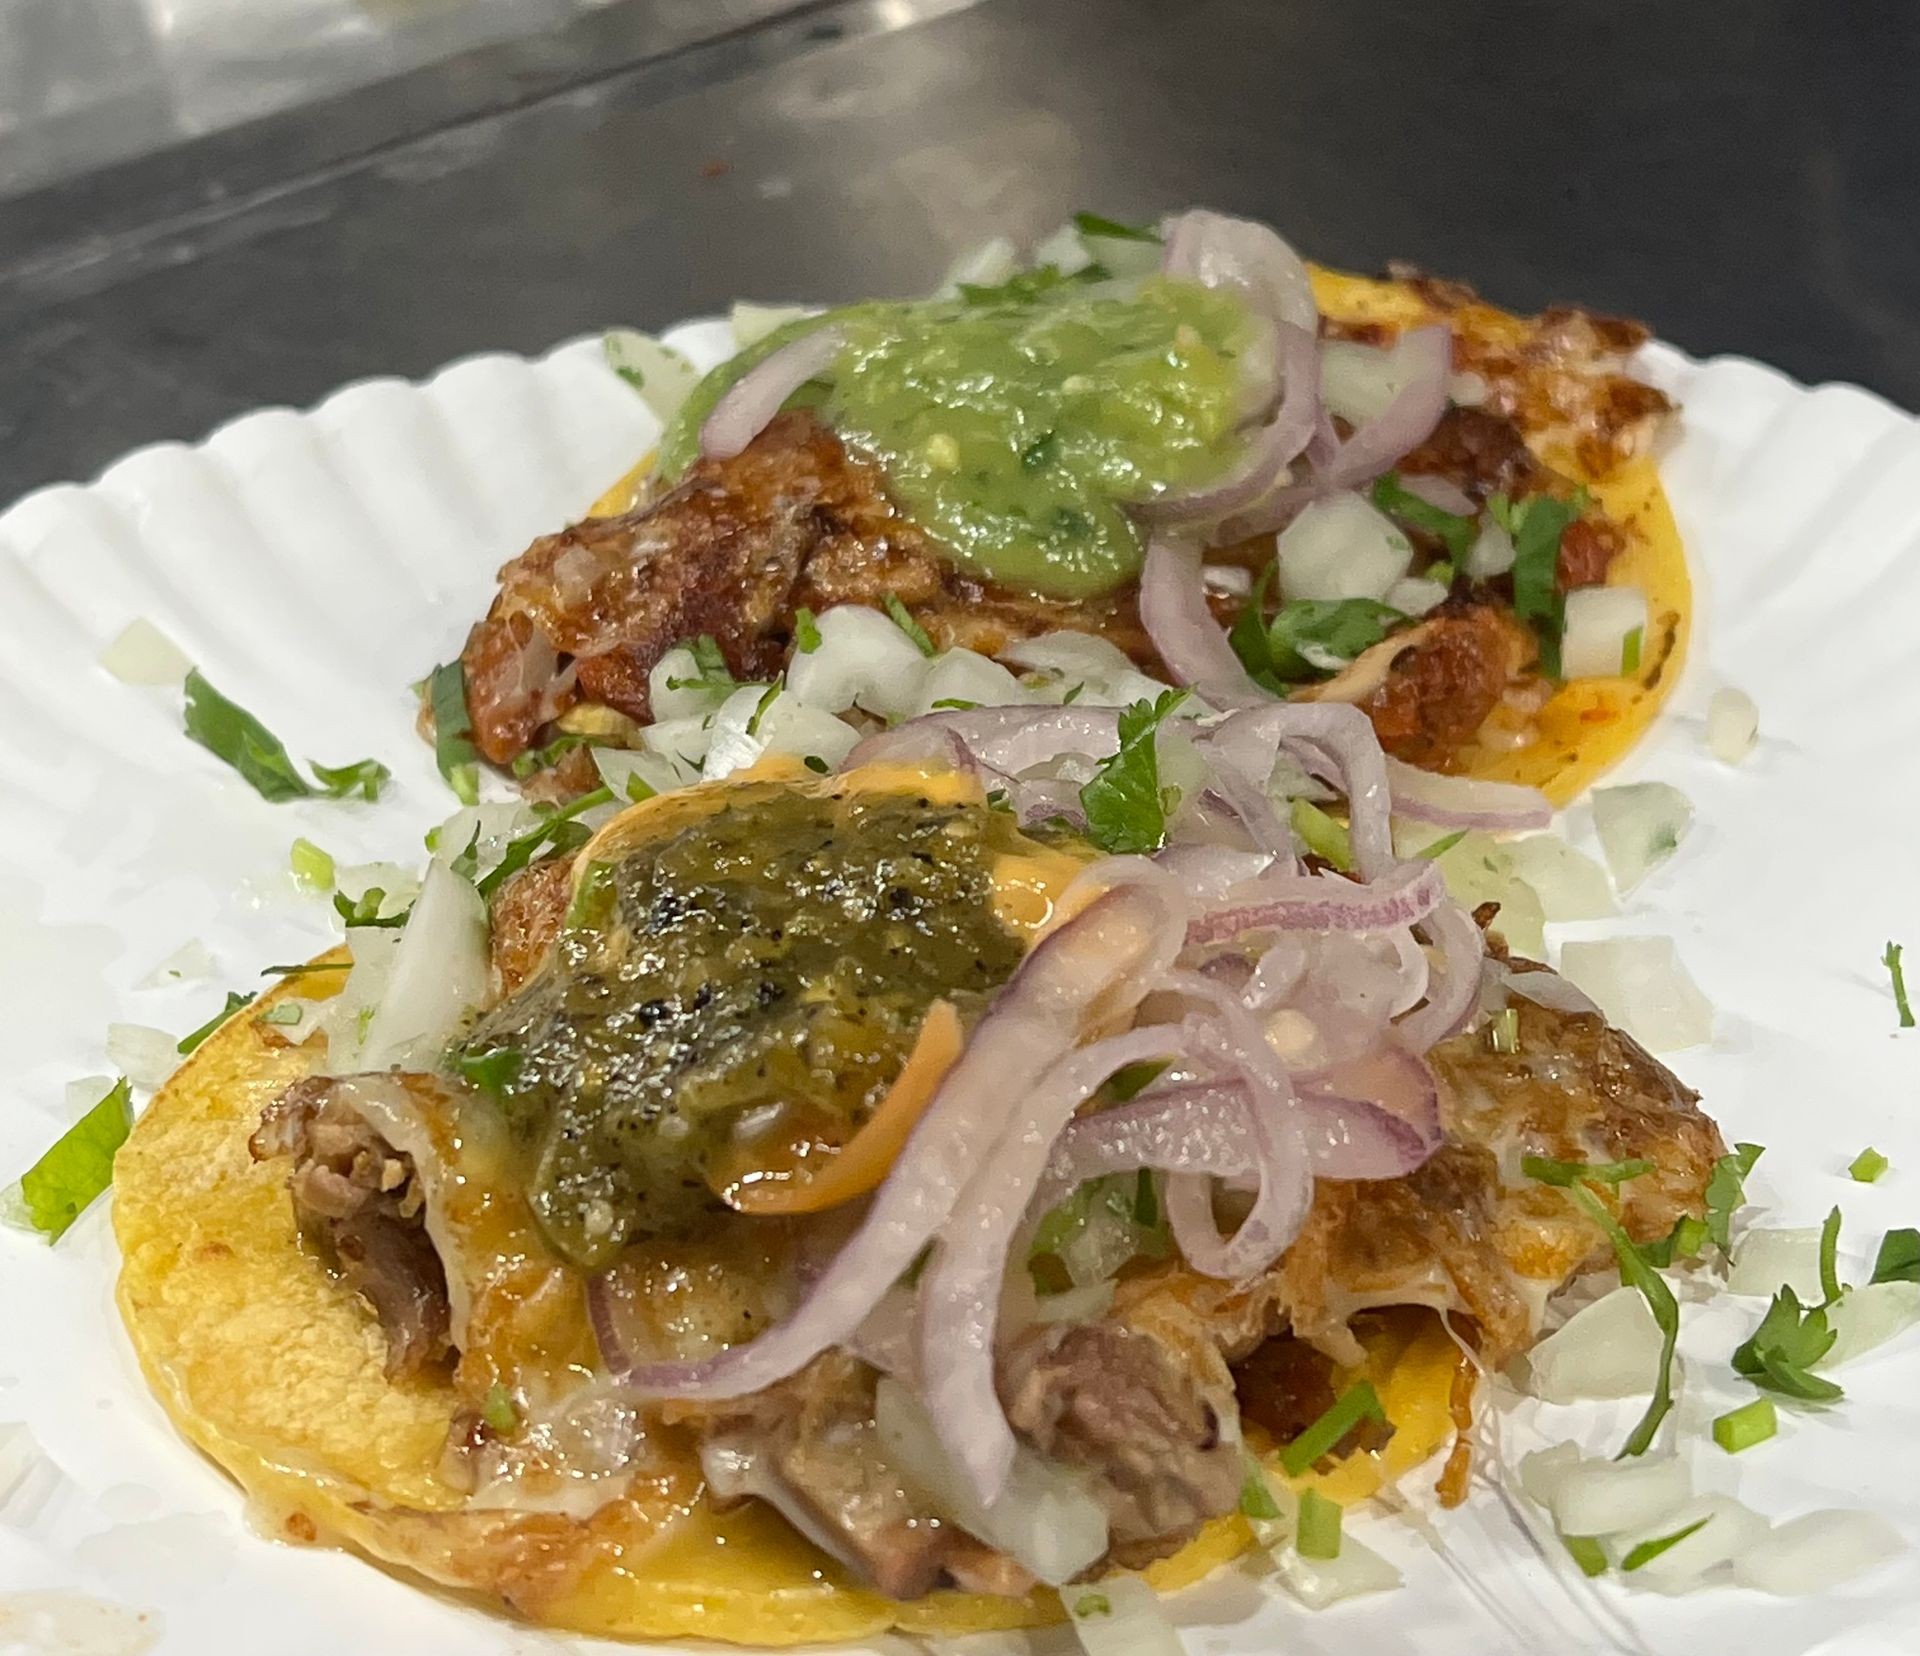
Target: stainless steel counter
[[1745, 181]]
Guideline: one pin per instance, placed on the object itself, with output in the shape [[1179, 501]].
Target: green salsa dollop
[[1016, 423]]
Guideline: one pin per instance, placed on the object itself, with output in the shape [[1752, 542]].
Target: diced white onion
[[1466, 388], [345, 1017], [489, 829], [1234, 580], [1569, 884], [1768, 1260], [1733, 725], [965, 675], [398, 886], [862, 660], [662, 375], [28, 1477], [1415, 595], [438, 975], [1341, 547], [752, 323], [1600, 620], [1726, 1530], [1610, 1348], [1043, 1519], [783, 725], [675, 690], [1606, 1497], [1095, 672], [1320, 1582], [1478, 870], [1544, 1470], [144, 1055], [1492, 551], [1869, 1316], [1120, 1616], [1641, 985], [142, 654], [682, 741], [1641, 825], [1357, 381], [192, 962], [1816, 1551], [622, 768], [731, 746]]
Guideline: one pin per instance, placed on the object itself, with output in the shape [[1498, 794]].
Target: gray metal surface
[[1745, 181]]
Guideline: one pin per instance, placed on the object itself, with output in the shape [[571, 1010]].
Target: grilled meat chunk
[[360, 1199]]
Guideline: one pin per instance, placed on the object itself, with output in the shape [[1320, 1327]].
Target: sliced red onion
[[1464, 801], [1269, 450], [960, 1296], [1344, 1100], [1104, 958], [753, 400], [1451, 1001], [1447, 495], [1005, 739], [1217, 251], [1173, 609], [1400, 427], [1327, 903], [1209, 872], [1544, 988]]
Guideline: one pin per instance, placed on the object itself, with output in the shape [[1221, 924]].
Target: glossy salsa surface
[[741, 991], [1014, 423]]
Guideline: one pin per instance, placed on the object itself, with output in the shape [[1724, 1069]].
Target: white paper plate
[[314, 564]]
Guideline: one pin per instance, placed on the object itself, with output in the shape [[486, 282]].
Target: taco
[[797, 1206], [1172, 453]]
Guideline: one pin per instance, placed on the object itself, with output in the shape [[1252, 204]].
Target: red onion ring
[[1447, 495], [1006, 739], [1336, 743], [1268, 452], [753, 400], [1217, 251], [960, 1295], [1173, 609], [1103, 958], [1464, 801], [1327, 903], [1460, 946]]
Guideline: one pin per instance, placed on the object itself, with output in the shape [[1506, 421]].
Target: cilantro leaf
[[192, 1042], [1315, 637], [806, 631], [1092, 224], [1454, 532], [493, 1070], [364, 910], [557, 834], [710, 669], [1899, 1257], [535, 760], [903, 619], [1727, 1189], [1891, 960], [1023, 287], [1256, 1495], [1781, 1352], [453, 750], [230, 732], [79, 1166], [1536, 525], [1638, 1272], [1126, 809], [1248, 635]]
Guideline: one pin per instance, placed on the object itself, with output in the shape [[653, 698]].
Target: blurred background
[[207, 205]]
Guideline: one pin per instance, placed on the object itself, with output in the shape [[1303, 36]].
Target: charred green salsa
[[1016, 422], [748, 984]]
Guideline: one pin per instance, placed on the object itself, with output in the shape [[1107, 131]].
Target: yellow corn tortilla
[[275, 1370]]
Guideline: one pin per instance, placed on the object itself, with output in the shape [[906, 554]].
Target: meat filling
[[362, 1203]]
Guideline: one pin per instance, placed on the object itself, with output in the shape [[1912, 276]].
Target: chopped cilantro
[[1726, 1190], [1891, 960], [1440, 847], [1319, 1535], [1314, 637], [1586, 1552], [285, 1013], [1256, 1494], [957, 704], [235, 1000], [1648, 1551], [1536, 525], [816, 764], [498, 1410], [710, 669], [557, 834], [1637, 1272], [1092, 224], [1899, 1257], [453, 750], [806, 631], [1781, 1353], [492, 1071], [1023, 287], [903, 619], [538, 759], [1125, 806], [1357, 1403], [1564, 1173], [1454, 532], [230, 732], [1133, 1079], [1684, 1241], [364, 910], [1830, 1257], [79, 1166], [768, 697], [1092, 1604]]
